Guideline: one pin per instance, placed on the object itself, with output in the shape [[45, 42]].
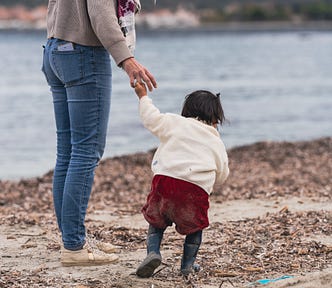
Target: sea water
[[275, 86]]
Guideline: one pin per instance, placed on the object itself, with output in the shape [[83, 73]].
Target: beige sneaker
[[85, 257], [102, 246]]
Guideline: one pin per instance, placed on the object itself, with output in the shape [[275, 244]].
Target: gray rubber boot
[[153, 258], [190, 250]]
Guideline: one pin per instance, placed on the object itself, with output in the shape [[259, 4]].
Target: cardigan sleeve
[[104, 22]]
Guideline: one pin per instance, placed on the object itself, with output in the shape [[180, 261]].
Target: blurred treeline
[[228, 10]]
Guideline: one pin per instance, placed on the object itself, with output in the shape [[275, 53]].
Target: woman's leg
[[62, 122], [88, 105], [63, 149], [86, 75]]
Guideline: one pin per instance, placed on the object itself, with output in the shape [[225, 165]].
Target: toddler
[[190, 159]]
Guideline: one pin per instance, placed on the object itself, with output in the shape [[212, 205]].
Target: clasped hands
[[138, 74]]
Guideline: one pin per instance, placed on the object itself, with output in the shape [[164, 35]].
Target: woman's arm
[[104, 21], [138, 73]]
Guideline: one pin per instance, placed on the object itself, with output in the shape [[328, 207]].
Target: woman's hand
[[138, 73], [140, 90]]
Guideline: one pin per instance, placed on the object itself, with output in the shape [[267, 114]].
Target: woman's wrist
[[122, 64]]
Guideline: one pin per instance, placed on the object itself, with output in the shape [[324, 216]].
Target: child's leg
[[190, 248], [153, 241], [153, 258]]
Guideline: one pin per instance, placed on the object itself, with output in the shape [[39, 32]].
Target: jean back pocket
[[68, 65]]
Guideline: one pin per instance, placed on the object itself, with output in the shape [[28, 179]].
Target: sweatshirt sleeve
[[223, 174], [152, 119], [104, 22]]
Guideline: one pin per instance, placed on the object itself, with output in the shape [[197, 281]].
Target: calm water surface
[[275, 87]]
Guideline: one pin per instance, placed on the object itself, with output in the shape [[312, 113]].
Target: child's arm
[[223, 174], [150, 115], [140, 90]]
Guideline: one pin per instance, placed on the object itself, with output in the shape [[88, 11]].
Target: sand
[[273, 217]]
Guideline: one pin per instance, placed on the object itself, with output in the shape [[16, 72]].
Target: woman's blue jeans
[[80, 82]]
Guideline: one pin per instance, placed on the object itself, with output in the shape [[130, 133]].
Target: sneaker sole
[[86, 264], [89, 263]]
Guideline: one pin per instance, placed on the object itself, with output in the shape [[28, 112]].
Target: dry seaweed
[[233, 252]]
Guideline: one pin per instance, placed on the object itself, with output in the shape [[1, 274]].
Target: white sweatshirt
[[189, 149]]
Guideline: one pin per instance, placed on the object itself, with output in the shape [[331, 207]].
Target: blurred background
[[271, 61]]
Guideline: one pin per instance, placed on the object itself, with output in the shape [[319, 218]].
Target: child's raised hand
[[140, 90]]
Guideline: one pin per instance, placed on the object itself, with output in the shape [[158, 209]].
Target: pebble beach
[[271, 220]]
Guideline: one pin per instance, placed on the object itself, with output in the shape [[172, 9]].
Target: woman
[[81, 35]]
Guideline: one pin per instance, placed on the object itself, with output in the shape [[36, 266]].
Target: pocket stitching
[[57, 70]]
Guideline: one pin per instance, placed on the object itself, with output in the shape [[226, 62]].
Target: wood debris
[[233, 252]]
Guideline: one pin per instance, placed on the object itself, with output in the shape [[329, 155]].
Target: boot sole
[[146, 269]]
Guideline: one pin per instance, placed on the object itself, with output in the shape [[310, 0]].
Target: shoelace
[[92, 249], [92, 241]]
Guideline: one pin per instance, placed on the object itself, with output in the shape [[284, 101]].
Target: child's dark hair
[[204, 106]]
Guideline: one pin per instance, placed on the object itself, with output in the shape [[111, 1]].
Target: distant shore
[[22, 17], [262, 26]]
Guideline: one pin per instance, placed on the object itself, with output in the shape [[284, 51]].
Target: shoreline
[[239, 27], [149, 151]]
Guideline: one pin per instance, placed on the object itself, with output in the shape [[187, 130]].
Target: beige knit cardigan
[[88, 22]]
